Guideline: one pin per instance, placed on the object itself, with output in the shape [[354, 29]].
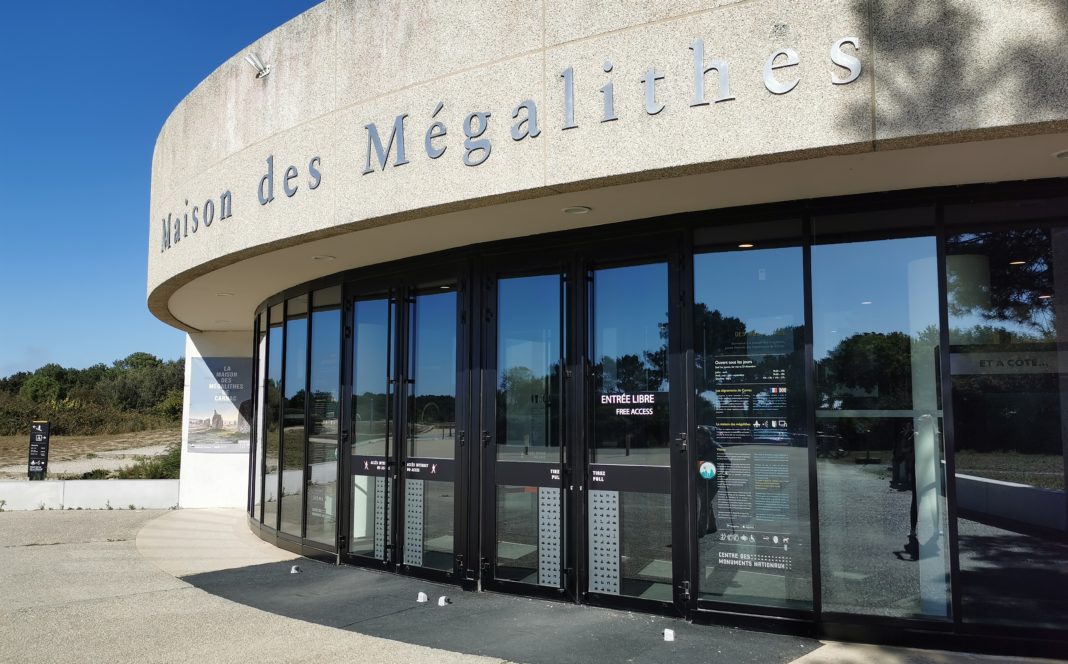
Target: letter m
[[166, 243], [374, 141]]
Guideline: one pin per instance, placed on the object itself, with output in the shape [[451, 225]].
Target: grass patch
[[1041, 470]]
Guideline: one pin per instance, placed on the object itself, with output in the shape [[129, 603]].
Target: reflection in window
[[291, 500], [752, 446], [528, 428], [324, 374], [371, 426], [429, 508], [630, 376], [1008, 415], [528, 368], [432, 421], [879, 441], [273, 400], [261, 387], [629, 502]]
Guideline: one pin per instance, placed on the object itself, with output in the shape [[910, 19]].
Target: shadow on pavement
[[511, 628]]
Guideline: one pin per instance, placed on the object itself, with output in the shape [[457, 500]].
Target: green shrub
[[137, 393], [164, 467]]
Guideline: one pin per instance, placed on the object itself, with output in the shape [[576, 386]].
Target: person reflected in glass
[[903, 478], [712, 464]]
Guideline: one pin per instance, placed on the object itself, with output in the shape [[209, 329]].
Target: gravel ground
[[105, 460]]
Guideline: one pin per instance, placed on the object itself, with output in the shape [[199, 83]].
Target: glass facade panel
[[291, 502], [272, 429], [1010, 392], [528, 368], [630, 480], [431, 448], [529, 359], [324, 377], [839, 374], [752, 466], [371, 427], [432, 423], [261, 392], [882, 506]]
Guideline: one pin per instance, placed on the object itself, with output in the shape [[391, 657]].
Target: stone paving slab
[[185, 542], [75, 588]]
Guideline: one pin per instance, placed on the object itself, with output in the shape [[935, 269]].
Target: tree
[[41, 389]]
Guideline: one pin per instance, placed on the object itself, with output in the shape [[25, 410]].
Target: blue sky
[[85, 90]]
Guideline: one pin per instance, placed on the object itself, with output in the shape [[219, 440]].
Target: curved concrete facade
[[884, 95]]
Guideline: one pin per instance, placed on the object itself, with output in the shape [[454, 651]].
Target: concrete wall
[[212, 480], [934, 74], [1008, 501], [89, 494]]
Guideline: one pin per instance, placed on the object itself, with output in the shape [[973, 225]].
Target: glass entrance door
[[402, 428], [750, 458], [629, 547], [428, 456], [523, 495], [371, 428]]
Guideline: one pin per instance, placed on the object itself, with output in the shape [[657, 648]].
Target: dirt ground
[[15, 449]]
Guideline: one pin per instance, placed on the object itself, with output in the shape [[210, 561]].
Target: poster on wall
[[220, 403]]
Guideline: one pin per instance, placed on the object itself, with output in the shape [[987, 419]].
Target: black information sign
[[38, 450]]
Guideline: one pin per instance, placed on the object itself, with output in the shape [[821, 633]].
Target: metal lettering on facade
[[388, 147]]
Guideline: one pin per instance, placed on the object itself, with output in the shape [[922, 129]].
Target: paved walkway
[[102, 586]]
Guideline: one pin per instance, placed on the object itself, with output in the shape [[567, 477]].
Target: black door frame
[[399, 289], [668, 247], [490, 271]]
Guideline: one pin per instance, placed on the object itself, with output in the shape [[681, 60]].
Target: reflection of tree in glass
[[273, 400], [778, 351], [525, 406], [868, 370], [630, 373], [370, 411], [1013, 292]]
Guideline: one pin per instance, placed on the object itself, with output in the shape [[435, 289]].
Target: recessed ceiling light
[[1063, 154], [577, 209], [1044, 297], [224, 294], [444, 287], [323, 257], [1017, 262], [745, 245], [866, 302]]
